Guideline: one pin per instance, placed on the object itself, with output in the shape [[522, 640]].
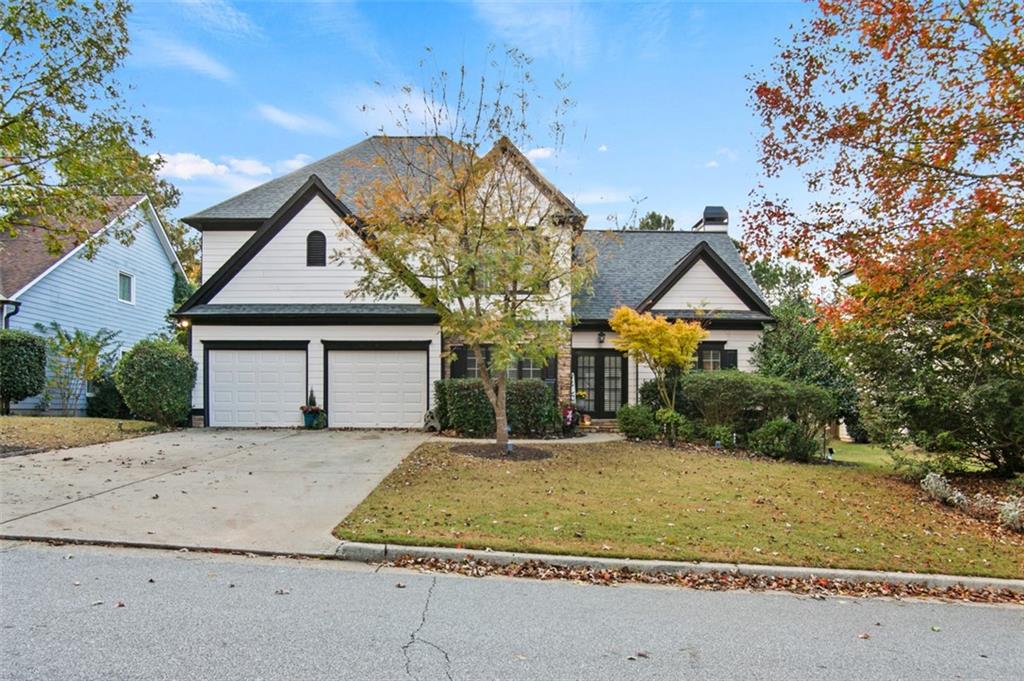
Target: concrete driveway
[[251, 490]]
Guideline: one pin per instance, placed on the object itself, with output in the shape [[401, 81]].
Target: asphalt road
[[200, 616]]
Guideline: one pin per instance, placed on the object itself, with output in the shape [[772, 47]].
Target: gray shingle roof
[[348, 172], [631, 264]]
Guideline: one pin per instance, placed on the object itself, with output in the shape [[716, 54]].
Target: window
[[316, 250], [529, 369], [472, 370], [711, 360], [125, 287], [467, 367]]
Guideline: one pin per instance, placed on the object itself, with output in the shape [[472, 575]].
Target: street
[[76, 612]]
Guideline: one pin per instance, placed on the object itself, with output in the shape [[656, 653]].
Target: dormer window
[[316, 250]]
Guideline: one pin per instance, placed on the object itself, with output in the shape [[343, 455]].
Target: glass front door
[[601, 374]]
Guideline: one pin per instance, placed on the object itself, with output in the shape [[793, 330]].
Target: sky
[[240, 92]]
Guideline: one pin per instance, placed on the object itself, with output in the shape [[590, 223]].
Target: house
[[126, 288], [273, 321]]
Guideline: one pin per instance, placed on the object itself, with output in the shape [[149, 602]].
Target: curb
[[74, 541], [378, 553]]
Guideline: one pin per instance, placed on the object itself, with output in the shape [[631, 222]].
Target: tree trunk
[[500, 417]]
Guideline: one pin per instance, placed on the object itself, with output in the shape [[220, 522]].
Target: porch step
[[601, 426]]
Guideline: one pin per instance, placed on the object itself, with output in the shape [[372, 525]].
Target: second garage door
[[256, 388], [380, 388]]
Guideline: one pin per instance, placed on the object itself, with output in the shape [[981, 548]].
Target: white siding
[[738, 340], [278, 273], [314, 334], [218, 246], [700, 288]]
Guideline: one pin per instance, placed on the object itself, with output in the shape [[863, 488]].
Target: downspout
[[16, 304]]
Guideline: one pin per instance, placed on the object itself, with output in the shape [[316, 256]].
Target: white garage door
[[377, 388], [250, 388]]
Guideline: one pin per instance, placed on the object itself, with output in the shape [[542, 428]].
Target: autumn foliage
[[906, 120]]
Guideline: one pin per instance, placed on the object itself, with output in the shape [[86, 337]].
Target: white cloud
[[599, 195], [301, 123], [372, 110], [248, 166], [166, 51], [293, 163], [559, 29], [540, 153], [603, 148], [711, 164], [221, 16], [186, 166], [727, 153]]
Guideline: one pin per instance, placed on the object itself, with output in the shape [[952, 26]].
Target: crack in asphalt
[[415, 638]]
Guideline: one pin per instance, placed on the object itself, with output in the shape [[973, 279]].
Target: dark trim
[[243, 345], [706, 322], [291, 319], [255, 345], [376, 345], [224, 224], [703, 251], [313, 187], [195, 412], [341, 346]]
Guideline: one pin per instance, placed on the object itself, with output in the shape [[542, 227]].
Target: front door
[[602, 375]]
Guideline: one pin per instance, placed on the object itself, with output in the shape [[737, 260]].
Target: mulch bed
[[497, 452], [816, 587]]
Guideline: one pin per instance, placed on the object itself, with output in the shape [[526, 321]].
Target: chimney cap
[[716, 215]]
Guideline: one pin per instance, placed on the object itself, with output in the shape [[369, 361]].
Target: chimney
[[715, 219]]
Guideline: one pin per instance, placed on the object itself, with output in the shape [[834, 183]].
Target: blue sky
[[238, 92]]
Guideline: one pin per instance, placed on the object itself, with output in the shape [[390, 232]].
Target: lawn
[[646, 501], [41, 433]]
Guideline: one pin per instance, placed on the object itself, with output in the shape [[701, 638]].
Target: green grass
[[868, 456], [40, 433], [646, 501]]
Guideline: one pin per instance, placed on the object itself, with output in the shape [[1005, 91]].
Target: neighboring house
[[124, 288], [273, 318]]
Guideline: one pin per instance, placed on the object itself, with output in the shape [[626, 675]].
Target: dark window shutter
[[729, 359], [458, 367], [316, 250], [549, 374]]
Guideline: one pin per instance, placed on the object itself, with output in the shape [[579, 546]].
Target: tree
[[905, 120], [481, 238], [22, 366], [656, 221], [156, 378], [188, 244], [667, 348], [67, 140], [75, 358]]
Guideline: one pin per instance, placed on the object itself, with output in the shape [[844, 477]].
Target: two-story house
[[123, 287], [274, 317]]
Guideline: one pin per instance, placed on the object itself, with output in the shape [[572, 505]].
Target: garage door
[[384, 388], [256, 388]]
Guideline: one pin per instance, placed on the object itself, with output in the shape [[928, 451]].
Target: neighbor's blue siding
[[82, 294]]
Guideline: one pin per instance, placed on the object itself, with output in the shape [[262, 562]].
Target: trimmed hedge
[[22, 366], [783, 439], [106, 401], [637, 422], [460, 404], [156, 378], [743, 402]]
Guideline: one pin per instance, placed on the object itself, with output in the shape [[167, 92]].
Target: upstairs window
[[125, 287], [316, 250]]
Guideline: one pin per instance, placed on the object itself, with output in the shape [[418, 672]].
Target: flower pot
[[309, 418], [580, 402]]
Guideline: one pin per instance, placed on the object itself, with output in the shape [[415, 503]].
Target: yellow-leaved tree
[[667, 348]]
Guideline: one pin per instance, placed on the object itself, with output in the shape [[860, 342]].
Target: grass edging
[[379, 553]]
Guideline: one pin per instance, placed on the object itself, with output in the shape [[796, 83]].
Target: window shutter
[[549, 374], [729, 360], [457, 368], [316, 250]]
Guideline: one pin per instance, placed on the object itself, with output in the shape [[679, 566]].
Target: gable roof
[[25, 259], [312, 187], [353, 170], [635, 267]]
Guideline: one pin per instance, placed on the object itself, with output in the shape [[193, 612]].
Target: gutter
[[16, 304]]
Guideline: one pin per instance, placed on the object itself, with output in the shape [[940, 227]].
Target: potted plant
[[581, 396], [312, 415]]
